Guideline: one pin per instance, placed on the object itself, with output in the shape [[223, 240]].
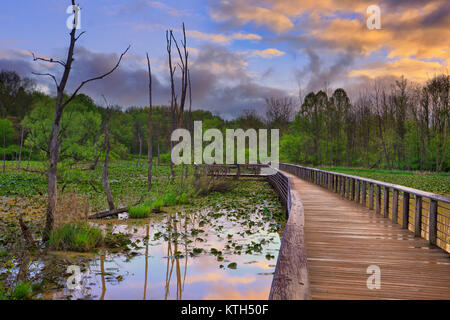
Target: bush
[[80, 237], [140, 211]]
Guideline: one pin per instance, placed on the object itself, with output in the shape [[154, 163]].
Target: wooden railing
[[424, 213], [280, 182], [290, 279]]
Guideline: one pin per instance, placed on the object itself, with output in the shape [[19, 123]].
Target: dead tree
[[109, 197], [138, 131], [4, 145], [21, 146], [177, 109], [149, 141], [61, 103]]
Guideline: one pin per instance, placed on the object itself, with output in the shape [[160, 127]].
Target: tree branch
[[51, 60], [96, 78], [48, 74]]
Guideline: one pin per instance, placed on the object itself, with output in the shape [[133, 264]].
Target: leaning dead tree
[[109, 197], [177, 107], [61, 103], [149, 142]]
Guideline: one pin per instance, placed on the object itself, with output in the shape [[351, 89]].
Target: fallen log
[[108, 213]]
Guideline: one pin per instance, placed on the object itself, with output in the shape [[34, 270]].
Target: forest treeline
[[399, 125]]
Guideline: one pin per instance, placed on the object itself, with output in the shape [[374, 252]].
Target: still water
[[227, 253]]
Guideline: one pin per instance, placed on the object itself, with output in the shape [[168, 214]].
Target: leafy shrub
[[80, 237], [140, 211]]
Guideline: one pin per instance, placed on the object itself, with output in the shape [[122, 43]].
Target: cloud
[[267, 53], [222, 38], [220, 80], [415, 70], [239, 12], [317, 75]]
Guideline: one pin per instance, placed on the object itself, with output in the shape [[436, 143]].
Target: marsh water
[[214, 253]]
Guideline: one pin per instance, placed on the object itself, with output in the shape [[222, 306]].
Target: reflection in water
[[205, 242], [147, 228], [102, 270]]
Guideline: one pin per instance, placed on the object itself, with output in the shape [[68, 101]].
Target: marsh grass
[[140, 211], [78, 236]]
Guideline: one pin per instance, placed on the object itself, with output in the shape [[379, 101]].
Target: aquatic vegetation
[[140, 211], [79, 236]]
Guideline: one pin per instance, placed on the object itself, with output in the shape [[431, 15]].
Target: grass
[[21, 291], [140, 211], [80, 237], [431, 182]]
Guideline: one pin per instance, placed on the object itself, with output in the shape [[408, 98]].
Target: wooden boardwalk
[[343, 239]]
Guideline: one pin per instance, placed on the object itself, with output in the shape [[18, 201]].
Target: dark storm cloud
[[320, 75], [220, 82]]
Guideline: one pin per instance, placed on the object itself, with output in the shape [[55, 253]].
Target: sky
[[240, 52]]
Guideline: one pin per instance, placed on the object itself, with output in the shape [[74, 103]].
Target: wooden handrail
[[433, 196], [354, 188], [290, 280]]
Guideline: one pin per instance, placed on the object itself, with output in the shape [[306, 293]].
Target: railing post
[[358, 191], [378, 200], [418, 217], [371, 186], [347, 188], [395, 206], [405, 220], [352, 181], [363, 193], [386, 202], [432, 222]]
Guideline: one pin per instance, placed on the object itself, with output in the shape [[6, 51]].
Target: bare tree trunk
[[20, 150], [105, 167], [140, 147], [380, 130], [54, 144], [149, 142], [4, 145]]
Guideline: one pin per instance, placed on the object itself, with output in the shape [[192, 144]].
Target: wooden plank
[[342, 239], [371, 186]]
